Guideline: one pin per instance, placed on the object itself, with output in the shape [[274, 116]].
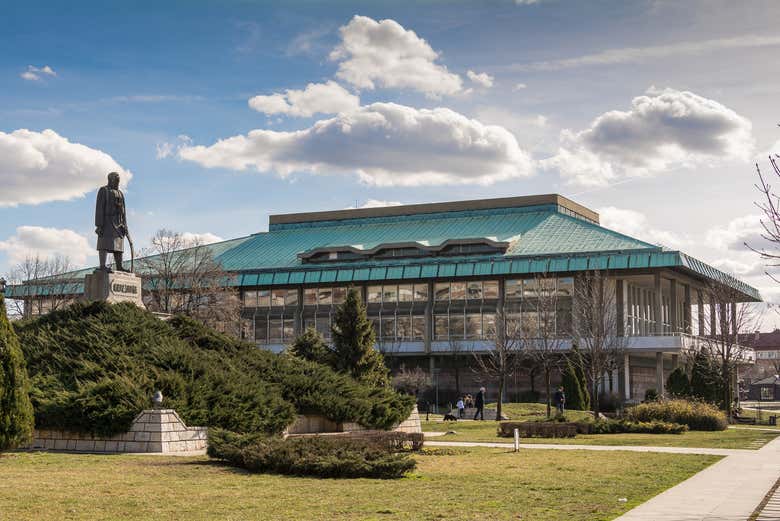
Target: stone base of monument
[[113, 287], [158, 431]]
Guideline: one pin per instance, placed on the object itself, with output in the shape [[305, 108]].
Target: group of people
[[466, 402]]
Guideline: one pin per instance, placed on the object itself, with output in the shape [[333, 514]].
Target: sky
[[218, 114]]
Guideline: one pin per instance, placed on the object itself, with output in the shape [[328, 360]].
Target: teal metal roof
[[541, 240]]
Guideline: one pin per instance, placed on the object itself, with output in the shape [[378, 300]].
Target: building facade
[[435, 277]]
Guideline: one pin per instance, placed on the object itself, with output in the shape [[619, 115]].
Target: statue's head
[[113, 180]]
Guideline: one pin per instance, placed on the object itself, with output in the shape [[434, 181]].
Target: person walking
[[479, 403], [461, 407], [560, 400]]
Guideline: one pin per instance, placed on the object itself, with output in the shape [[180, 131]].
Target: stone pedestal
[[113, 287], [153, 431]]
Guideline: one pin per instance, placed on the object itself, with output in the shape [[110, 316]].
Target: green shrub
[[97, 365], [538, 429], [16, 412], [576, 398], [323, 456], [623, 426], [698, 416]]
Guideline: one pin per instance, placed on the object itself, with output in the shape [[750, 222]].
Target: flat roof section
[[452, 206]]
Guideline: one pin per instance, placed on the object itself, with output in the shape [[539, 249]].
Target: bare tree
[[770, 206], [726, 320], [503, 356], [412, 381], [596, 328], [457, 349], [183, 277], [44, 278], [542, 336]]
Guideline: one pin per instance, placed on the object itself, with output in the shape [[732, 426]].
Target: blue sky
[[650, 111]]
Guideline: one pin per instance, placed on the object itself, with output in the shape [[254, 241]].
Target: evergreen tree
[[705, 379], [678, 383], [16, 412], [572, 388], [353, 343], [310, 345], [582, 380]]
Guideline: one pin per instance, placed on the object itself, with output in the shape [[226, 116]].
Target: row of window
[[397, 293]]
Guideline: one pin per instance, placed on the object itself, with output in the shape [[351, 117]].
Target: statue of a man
[[111, 222]]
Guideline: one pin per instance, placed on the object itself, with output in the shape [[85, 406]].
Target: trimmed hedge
[[552, 429], [322, 456], [538, 429], [698, 416], [94, 366]]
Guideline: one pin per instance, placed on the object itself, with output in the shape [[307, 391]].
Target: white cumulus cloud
[[636, 224], [384, 54], [384, 143], [31, 241], [200, 238], [316, 98], [38, 167], [662, 129], [375, 203], [482, 79], [37, 73], [747, 229]]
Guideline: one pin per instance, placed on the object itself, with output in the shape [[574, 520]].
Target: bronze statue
[[111, 223]]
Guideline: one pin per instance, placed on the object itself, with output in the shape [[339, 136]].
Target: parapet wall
[[153, 431], [317, 424]]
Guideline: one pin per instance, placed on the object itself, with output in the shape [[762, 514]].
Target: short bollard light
[[517, 440]]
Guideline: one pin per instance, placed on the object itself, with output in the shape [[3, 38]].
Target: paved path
[[629, 448], [728, 490]]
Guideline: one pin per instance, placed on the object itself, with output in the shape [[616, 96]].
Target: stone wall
[[152, 431], [317, 424]]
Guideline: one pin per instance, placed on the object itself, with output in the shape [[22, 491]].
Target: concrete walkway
[[729, 490]]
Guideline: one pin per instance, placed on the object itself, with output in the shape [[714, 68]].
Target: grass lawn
[[451, 484], [486, 431]]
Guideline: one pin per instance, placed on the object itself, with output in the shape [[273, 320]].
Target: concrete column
[[734, 325], [299, 312], [429, 321], [700, 305], [687, 326], [657, 304], [675, 361], [620, 308], [673, 322], [627, 376], [713, 317], [659, 374]]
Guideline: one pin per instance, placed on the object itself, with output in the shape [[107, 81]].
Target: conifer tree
[[353, 343], [582, 380], [678, 385], [311, 346], [16, 412], [572, 388]]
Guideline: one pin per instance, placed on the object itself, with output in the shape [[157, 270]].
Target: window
[[440, 327], [389, 294], [766, 393], [405, 293], [489, 325], [458, 291], [442, 291], [291, 298], [288, 331], [404, 327], [310, 296], [388, 328], [250, 299], [418, 327], [261, 330], [322, 325], [325, 296], [421, 292], [473, 326], [529, 288], [374, 294], [566, 287], [457, 327], [264, 298], [277, 297], [513, 289], [490, 289], [339, 295], [275, 331], [474, 290]]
